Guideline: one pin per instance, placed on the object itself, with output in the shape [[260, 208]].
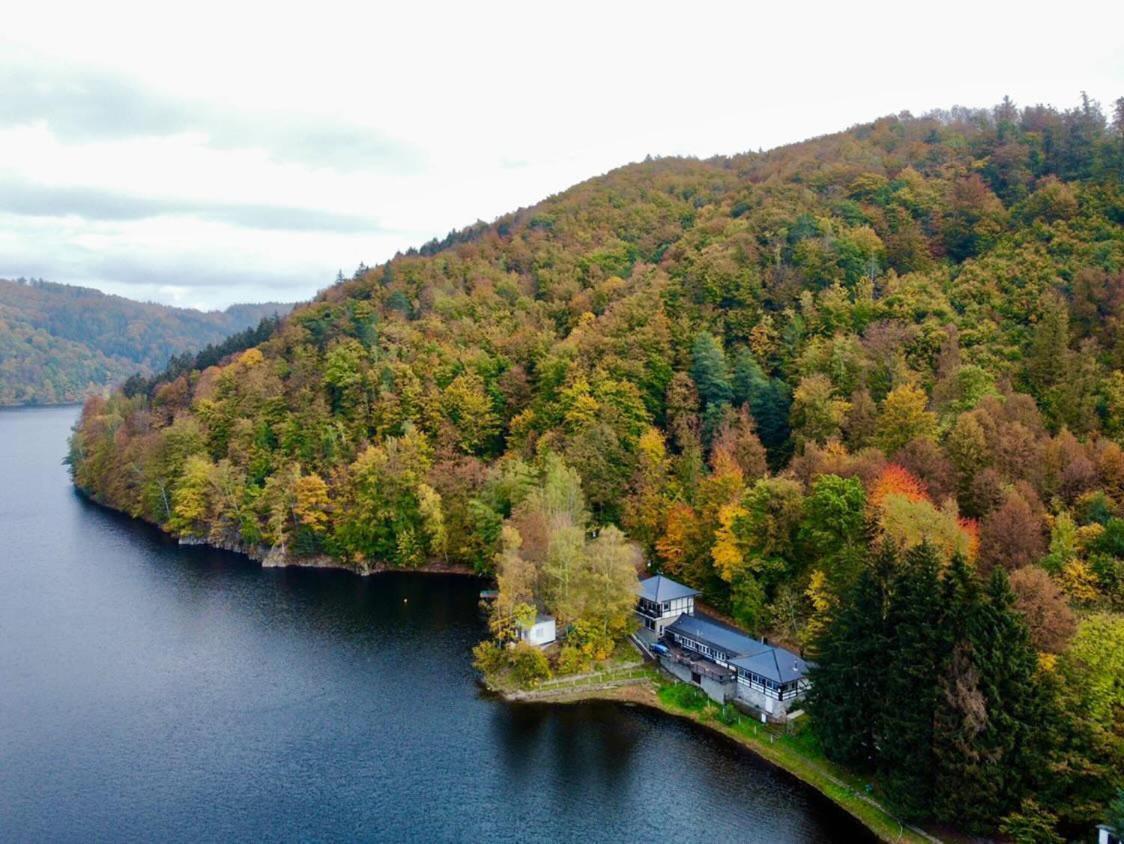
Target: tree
[[847, 699], [737, 438], [608, 583], [918, 644], [1011, 537], [1044, 608], [904, 418], [311, 505], [1094, 665], [1031, 824], [549, 562], [709, 370], [1049, 347], [645, 510], [190, 497], [469, 409], [834, 529], [817, 415]]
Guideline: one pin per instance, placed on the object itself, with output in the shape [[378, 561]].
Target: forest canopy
[[879, 369]]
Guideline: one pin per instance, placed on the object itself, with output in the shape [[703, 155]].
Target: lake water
[[158, 693]]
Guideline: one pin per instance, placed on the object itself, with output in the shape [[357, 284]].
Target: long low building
[[725, 662]]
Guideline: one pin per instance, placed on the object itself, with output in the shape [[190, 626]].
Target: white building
[[541, 633], [661, 601]]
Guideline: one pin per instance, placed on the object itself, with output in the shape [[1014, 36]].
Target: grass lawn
[[793, 747]]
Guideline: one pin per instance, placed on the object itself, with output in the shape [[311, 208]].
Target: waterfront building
[[661, 601], [723, 661], [541, 633]]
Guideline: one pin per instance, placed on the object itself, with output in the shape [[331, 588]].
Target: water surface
[[159, 693]]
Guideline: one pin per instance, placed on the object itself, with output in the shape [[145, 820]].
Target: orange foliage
[[896, 480], [971, 529]]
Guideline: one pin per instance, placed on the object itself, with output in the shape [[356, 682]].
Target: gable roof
[[704, 629], [660, 588], [776, 664]]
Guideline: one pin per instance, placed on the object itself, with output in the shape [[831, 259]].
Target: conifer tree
[[847, 697], [918, 644], [709, 370]]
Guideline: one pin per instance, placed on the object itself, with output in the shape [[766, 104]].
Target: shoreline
[[866, 810], [278, 557], [882, 824]]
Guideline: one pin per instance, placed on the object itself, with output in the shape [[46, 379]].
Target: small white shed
[[541, 633]]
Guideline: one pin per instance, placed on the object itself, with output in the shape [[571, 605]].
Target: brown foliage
[[1011, 536], [1044, 607]]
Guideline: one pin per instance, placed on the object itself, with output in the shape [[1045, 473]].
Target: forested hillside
[[866, 392], [58, 343]]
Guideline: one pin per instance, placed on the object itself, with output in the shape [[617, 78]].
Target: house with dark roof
[[767, 677], [661, 600], [725, 662]]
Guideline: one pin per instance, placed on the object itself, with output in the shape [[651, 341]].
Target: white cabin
[[541, 633]]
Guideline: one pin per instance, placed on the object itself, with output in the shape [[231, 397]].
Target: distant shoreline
[[41, 405]]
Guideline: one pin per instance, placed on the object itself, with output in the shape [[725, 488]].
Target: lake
[[162, 693]]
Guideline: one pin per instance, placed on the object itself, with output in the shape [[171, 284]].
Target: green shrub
[[488, 656], [572, 661], [529, 665]]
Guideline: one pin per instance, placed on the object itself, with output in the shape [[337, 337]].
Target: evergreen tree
[[918, 646], [709, 370], [962, 715], [1018, 739], [749, 379], [847, 697]]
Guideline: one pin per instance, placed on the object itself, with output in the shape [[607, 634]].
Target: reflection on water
[[155, 692]]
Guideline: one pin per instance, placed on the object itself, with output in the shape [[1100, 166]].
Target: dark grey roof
[[726, 638], [660, 588], [776, 664], [768, 661]]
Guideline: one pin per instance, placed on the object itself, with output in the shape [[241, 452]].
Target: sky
[[207, 153]]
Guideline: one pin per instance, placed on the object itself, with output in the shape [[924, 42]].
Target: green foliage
[[917, 319], [1031, 824], [529, 665], [932, 681]]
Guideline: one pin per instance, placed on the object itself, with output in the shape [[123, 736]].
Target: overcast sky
[[206, 153]]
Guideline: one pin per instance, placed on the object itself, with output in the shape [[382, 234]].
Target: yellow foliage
[[652, 447], [311, 505], [728, 559], [250, 357], [1079, 582]]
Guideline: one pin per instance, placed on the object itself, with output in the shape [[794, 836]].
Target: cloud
[[86, 105], [28, 199]]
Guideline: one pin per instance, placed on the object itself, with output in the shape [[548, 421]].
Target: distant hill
[[59, 342]]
